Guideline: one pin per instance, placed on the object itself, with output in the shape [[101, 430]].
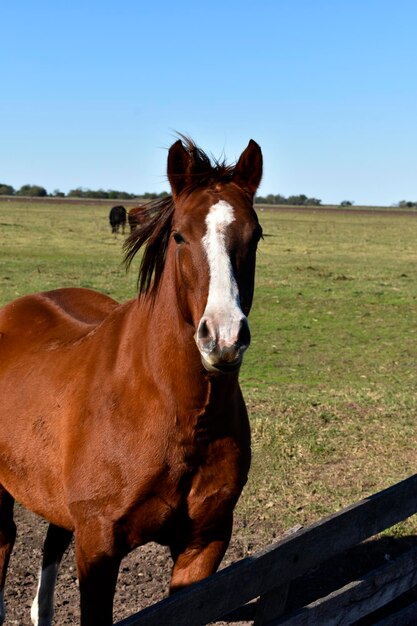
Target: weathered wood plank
[[406, 617], [271, 605], [359, 598], [282, 562]]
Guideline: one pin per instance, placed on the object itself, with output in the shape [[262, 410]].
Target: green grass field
[[331, 376]]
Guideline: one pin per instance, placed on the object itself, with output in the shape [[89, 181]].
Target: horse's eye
[[178, 238], [257, 235]]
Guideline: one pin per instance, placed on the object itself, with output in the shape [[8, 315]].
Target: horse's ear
[[248, 171], [179, 167]]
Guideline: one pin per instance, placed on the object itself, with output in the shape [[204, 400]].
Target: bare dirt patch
[[143, 579], [144, 574]]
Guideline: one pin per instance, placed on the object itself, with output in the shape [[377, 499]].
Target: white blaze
[[223, 297]]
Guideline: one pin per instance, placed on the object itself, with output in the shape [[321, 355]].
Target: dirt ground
[[143, 579], [144, 575]]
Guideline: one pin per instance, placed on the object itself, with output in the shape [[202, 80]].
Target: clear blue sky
[[92, 92]]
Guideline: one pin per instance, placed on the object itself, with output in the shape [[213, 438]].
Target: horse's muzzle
[[220, 354]]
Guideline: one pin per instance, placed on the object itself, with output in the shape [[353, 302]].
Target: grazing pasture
[[330, 378]]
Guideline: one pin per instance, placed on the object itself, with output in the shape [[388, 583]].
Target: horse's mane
[[154, 231]]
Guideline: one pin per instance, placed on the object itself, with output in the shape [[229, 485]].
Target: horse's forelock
[[205, 170]]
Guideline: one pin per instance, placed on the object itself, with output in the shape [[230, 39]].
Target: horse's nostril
[[203, 330], [206, 335]]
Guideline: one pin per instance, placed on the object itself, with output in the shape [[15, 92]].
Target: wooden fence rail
[[268, 574]]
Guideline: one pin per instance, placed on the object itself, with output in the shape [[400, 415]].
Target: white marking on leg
[[43, 604]]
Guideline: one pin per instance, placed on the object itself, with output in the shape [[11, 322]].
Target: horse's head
[[215, 232], [207, 233]]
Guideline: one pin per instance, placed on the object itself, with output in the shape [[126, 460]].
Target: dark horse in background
[[117, 218], [125, 423]]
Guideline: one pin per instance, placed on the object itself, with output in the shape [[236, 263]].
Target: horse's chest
[[194, 475], [154, 515]]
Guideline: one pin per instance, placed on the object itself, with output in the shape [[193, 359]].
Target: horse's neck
[[161, 343], [163, 347]]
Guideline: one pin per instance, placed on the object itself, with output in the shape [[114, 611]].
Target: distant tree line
[[35, 191], [112, 194], [25, 190], [406, 204], [301, 200]]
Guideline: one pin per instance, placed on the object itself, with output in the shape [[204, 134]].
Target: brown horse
[[125, 423], [137, 216]]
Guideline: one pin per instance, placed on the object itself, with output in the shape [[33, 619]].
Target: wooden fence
[[267, 575]]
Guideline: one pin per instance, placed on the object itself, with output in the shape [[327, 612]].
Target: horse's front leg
[[56, 542], [98, 565], [200, 556]]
